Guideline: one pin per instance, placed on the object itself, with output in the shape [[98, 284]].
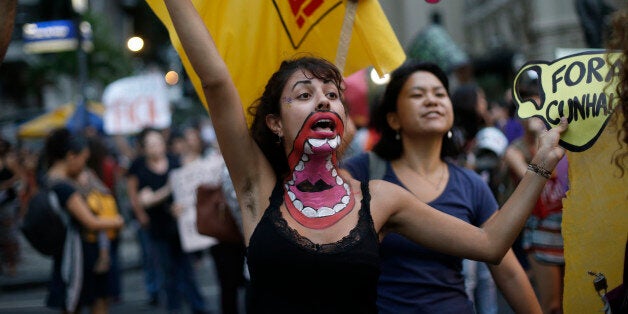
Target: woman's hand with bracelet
[[549, 152]]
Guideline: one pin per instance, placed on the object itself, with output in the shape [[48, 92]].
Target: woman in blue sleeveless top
[[415, 118]]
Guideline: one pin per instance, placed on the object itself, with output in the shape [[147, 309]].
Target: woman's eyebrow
[[301, 82]]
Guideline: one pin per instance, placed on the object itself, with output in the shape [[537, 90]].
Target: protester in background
[[10, 176], [312, 237], [102, 161], [153, 274], [64, 158], [151, 199], [470, 110], [471, 115], [195, 146], [100, 248], [542, 239], [415, 118], [228, 257], [176, 144]]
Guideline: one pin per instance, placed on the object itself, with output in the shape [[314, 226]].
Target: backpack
[[44, 224]]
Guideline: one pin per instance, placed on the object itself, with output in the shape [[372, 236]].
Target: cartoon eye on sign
[[581, 87]]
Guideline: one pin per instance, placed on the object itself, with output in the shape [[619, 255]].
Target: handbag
[[213, 216]]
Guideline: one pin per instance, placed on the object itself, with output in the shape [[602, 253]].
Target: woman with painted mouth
[[312, 239]]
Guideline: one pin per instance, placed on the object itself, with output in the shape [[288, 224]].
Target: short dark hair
[[59, 143], [141, 137], [270, 101], [388, 147]]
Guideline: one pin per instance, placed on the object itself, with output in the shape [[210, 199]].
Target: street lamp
[[80, 6], [135, 44]]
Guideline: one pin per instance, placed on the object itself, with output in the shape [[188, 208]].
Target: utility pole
[[83, 30]]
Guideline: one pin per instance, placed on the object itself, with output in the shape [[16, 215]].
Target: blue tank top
[[291, 274], [415, 279]]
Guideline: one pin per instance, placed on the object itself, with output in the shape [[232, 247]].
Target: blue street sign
[[50, 36]]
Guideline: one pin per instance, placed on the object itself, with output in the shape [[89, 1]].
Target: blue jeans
[[480, 286], [179, 276], [153, 277]]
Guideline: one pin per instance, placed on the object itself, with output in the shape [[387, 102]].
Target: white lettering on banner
[[133, 103]]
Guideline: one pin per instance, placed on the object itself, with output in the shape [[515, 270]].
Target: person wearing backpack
[[64, 158]]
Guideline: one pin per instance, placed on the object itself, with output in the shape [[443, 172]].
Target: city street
[[26, 292]]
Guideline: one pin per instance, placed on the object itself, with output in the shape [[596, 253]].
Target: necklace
[[440, 179]]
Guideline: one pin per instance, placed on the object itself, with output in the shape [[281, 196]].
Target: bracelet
[[539, 170]]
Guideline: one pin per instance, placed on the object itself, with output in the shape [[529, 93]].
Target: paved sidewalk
[[34, 269]]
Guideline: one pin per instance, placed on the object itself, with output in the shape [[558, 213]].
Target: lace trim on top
[[363, 227]]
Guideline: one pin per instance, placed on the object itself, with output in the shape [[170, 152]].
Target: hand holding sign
[[581, 87]]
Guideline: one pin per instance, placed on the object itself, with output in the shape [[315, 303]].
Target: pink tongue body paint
[[315, 194]]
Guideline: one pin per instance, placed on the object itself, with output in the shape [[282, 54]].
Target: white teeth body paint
[[309, 212], [325, 211], [316, 142], [315, 194]]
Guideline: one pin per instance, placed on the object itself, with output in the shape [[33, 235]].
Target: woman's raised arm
[[243, 157]]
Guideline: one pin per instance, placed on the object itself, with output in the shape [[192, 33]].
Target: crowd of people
[[458, 199]]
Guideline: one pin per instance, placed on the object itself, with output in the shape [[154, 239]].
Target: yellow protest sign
[[595, 222], [254, 37], [581, 87]]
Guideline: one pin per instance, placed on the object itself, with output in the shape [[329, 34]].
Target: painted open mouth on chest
[[316, 189], [315, 194]]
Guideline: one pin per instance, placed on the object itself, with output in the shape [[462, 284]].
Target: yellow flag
[[253, 37], [595, 222]]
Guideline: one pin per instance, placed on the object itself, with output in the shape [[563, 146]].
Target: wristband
[[540, 171]]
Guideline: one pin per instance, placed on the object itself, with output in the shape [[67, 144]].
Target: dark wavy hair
[[619, 41], [270, 104], [388, 147]]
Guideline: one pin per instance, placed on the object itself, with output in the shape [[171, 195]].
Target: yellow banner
[[253, 37], [595, 222]]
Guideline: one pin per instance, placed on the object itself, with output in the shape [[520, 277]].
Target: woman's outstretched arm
[[405, 214]]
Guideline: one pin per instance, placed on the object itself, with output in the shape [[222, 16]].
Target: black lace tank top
[[291, 274]]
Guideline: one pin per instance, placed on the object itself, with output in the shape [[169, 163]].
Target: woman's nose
[[323, 105], [430, 100]]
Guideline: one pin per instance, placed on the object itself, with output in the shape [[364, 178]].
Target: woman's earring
[[397, 136], [278, 141], [449, 134]]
